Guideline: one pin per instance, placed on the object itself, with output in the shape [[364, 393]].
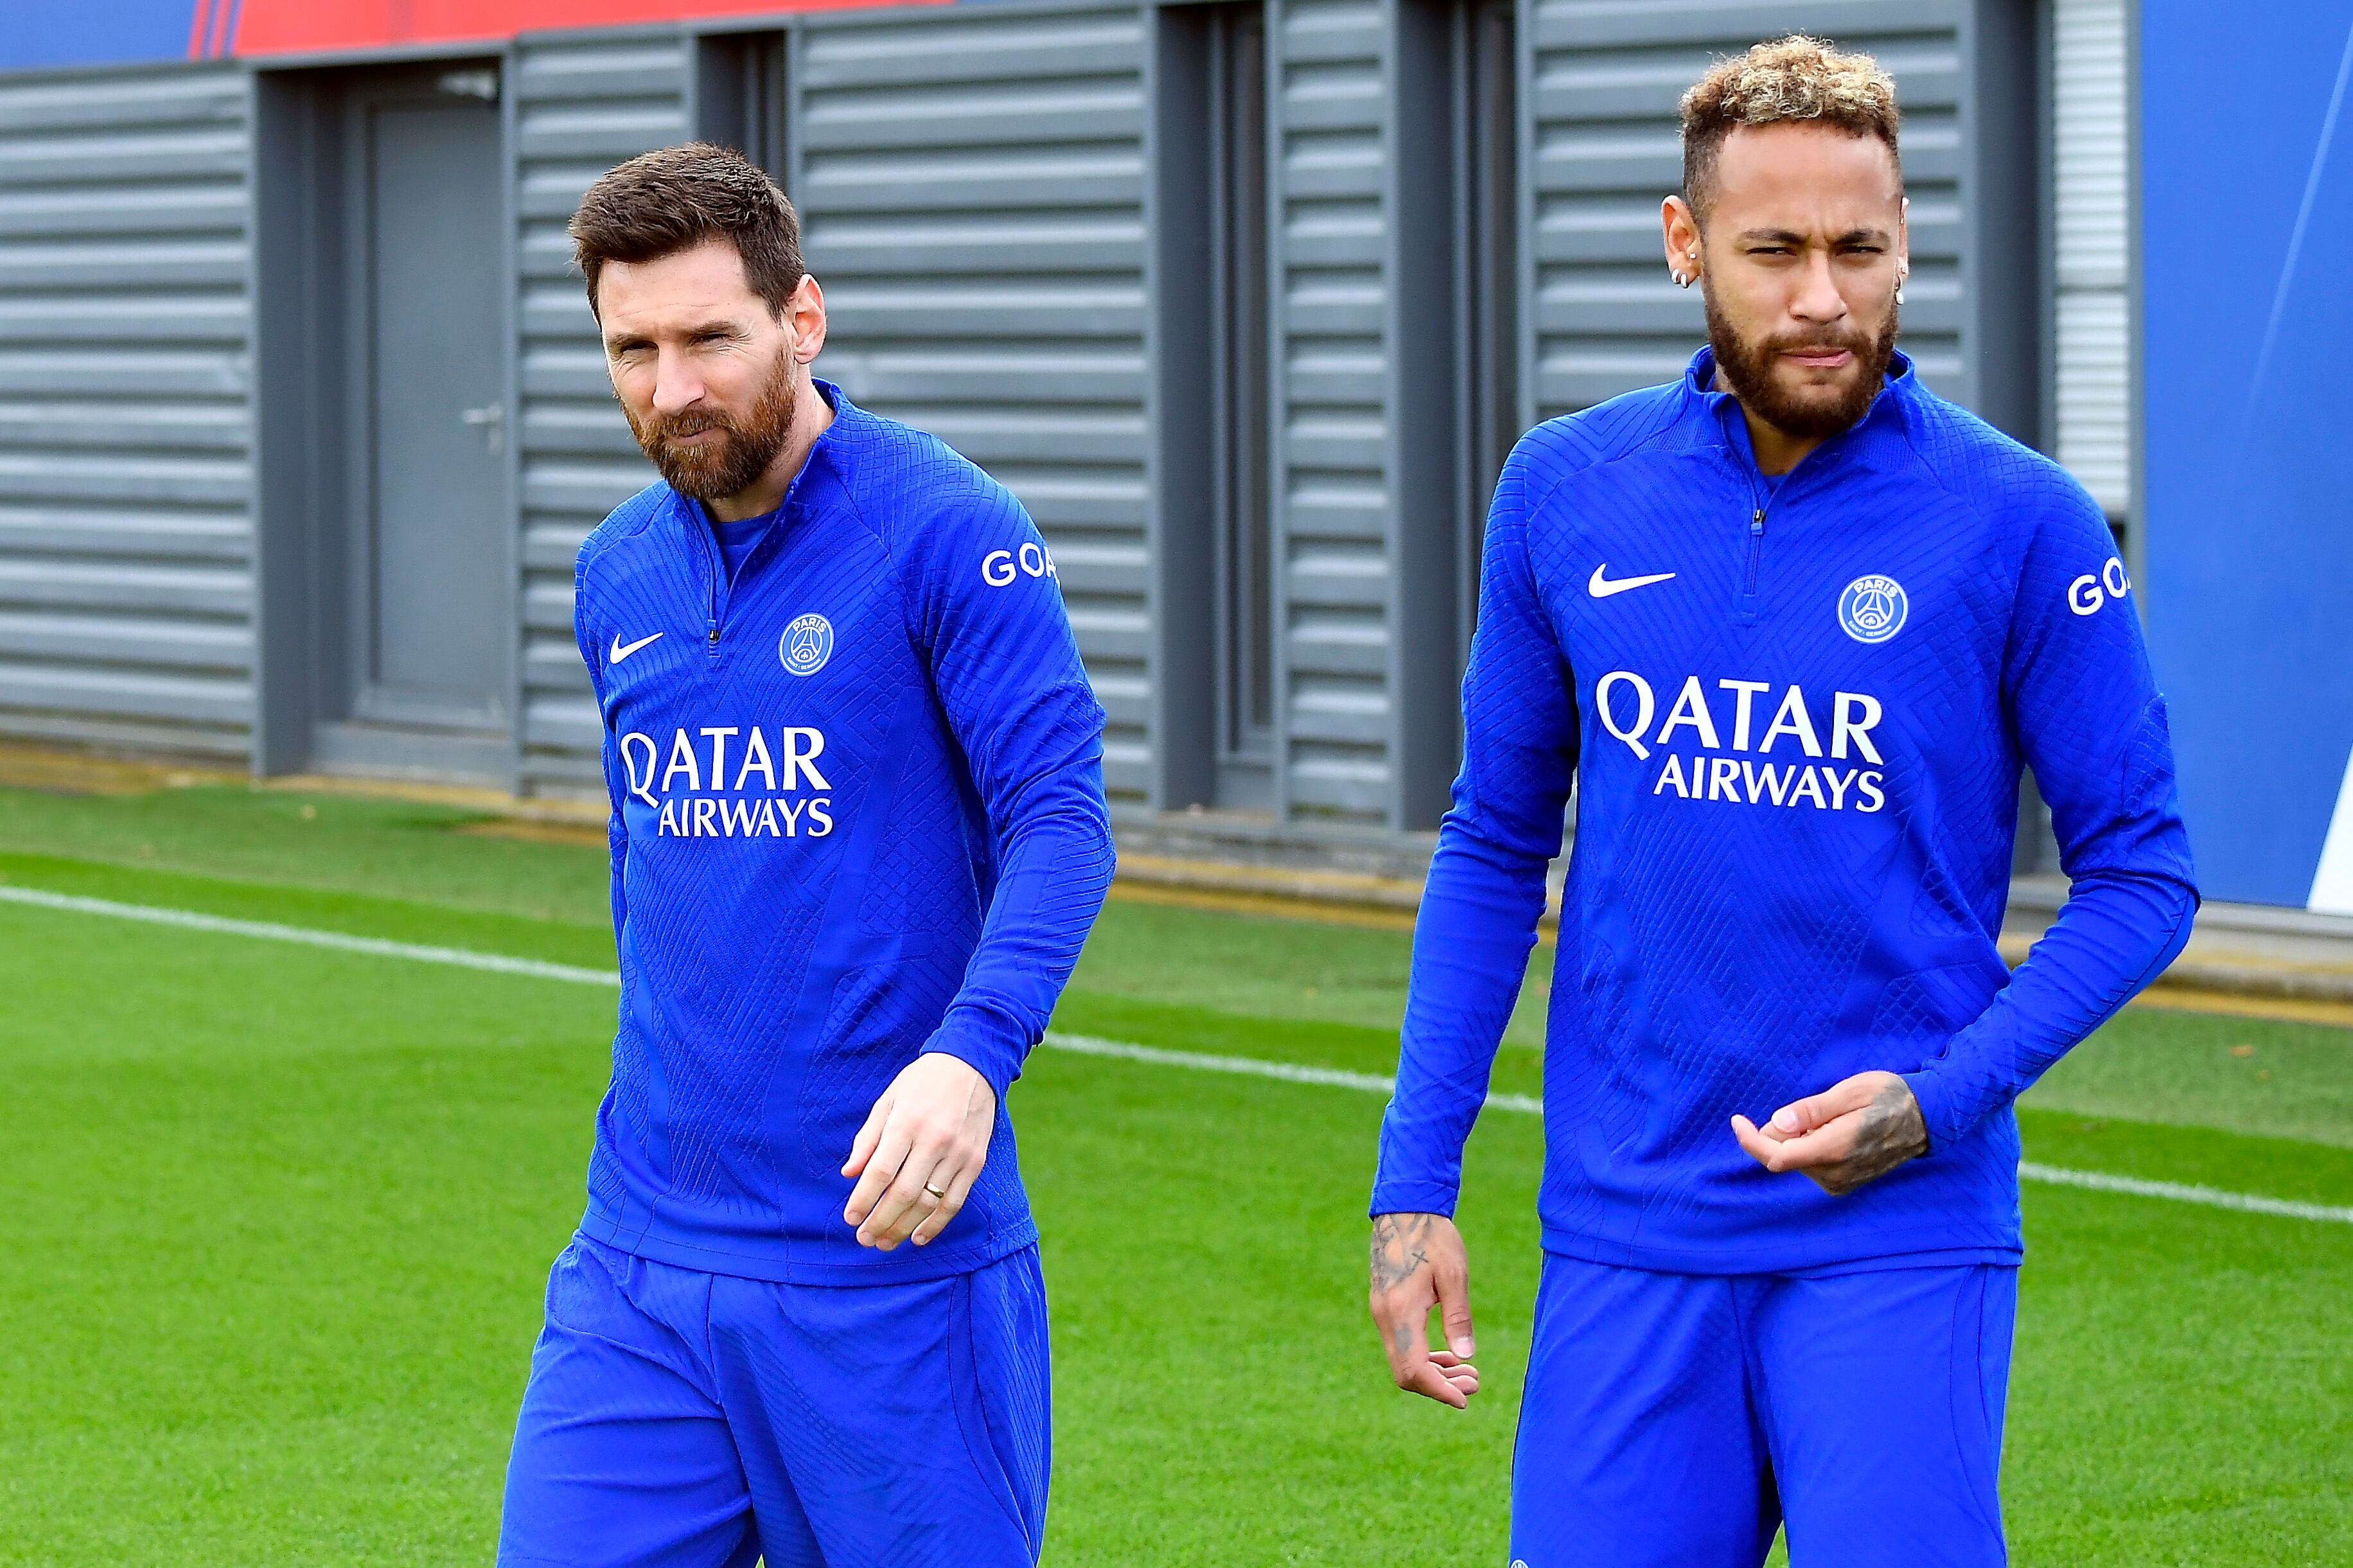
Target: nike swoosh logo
[[1601, 588], [622, 650]]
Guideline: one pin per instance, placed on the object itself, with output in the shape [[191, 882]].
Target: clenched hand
[[1419, 1265], [922, 1148], [1858, 1128]]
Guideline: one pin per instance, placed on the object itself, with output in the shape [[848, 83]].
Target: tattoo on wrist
[[1401, 1247]]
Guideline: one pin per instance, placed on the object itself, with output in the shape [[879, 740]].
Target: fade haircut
[[1791, 78], [673, 199]]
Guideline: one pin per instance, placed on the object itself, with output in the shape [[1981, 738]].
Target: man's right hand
[[1418, 1267]]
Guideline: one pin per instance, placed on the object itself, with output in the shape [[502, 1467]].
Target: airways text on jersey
[[1736, 761], [778, 791]]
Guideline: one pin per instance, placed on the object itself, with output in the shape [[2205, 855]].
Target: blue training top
[[1794, 721], [858, 815], [737, 540]]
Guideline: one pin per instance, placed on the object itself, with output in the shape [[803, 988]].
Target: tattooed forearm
[[1401, 1247]]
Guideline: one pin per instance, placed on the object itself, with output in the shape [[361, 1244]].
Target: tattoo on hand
[[1401, 1247], [1889, 1132]]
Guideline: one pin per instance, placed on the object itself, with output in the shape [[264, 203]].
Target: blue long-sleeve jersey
[[858, 815], [1794, 716]]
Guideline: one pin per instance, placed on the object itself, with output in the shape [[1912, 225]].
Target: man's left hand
[[922, 1148], [1858, 1128]]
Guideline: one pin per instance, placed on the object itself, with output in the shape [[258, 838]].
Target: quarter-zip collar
[[1721, 425], [1867, 441], [826, 452]]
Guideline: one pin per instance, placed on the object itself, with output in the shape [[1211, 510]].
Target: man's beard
[[712, 470], [1749, 369]]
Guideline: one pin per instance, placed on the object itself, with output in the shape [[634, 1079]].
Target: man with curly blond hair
[[1792, 625]]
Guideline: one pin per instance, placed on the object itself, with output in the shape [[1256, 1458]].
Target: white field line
[[1083, 1045], [1251, 1066], [2057, 1175], [2214, 1197], [375, 947]]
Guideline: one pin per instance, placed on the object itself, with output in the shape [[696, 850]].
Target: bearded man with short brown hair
[[859, 834]]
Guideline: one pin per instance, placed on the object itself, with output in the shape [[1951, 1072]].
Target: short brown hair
[[1795, 78], [673, 199]]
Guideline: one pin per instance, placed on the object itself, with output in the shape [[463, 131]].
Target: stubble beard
[[747, 445], [1749, 367]]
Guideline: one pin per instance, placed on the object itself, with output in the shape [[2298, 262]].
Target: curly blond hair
[[1795, 78]]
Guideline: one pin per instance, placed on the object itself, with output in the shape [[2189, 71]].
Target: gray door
[[430, 605]]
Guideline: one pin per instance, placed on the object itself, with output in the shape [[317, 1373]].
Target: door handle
[[491, 419]]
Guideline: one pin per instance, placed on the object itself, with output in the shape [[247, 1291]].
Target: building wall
[[978, 183], [2094, 425], [971, 184], [582, 103], [126, 586]]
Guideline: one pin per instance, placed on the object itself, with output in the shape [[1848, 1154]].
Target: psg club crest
[[1873, 608], [807, 644]]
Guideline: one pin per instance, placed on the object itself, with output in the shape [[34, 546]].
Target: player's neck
[[812, 417], [1776, 450]]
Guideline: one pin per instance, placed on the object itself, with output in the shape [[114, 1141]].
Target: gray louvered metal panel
[[971, 186], [126, 587], [1606, 78], [1335, 710], [583, 102], [2092, 208]]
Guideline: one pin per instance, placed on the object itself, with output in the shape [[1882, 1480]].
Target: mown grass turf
[[281, 1219], [2173, 1067]]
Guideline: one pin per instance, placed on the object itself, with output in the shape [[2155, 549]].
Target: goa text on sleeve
[[1008, 673], [2091, 724]]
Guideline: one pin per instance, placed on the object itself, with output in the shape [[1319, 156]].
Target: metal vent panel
[[971, 192], [2092, 209], [583, 103], [126, 538], [1329, 113]]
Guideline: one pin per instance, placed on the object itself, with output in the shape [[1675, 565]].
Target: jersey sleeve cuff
[[985, 1040], [1413, 1197], [1937, 1108]]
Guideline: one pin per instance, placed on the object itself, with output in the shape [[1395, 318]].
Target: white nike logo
[[1601, 588], [622, 651]]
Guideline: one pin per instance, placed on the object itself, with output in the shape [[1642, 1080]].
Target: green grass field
[[281, 1217]]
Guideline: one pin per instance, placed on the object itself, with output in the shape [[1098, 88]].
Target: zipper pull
[[714, 631], [1756, 522]]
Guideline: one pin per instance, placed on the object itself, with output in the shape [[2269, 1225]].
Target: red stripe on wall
[[199, 28], [276, 26]]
